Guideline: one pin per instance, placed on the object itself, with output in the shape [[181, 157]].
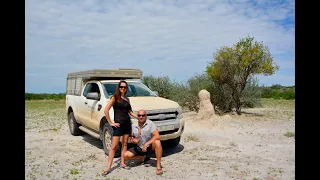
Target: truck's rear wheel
[[173, 142], [106, 140], [73, 125]]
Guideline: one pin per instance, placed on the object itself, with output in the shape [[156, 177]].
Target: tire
[[173, 142], [106, 140], [73, 125]]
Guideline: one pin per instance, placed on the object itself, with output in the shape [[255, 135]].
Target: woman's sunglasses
[[125, 87]]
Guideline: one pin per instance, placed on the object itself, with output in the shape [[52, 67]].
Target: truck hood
[[152, 103]]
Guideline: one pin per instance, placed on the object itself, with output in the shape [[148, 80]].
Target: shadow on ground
[[167, 150], [93, 141], [252, 113]]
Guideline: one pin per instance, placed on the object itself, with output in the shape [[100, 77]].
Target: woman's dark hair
[[117, 94]]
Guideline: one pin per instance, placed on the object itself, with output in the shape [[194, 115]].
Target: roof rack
[[119, 73]]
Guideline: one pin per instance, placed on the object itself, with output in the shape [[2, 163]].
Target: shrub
[[160, 84]]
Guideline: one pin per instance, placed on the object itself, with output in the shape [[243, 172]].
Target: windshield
[[134, 89]]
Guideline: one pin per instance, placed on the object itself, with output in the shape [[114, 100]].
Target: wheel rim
[[107, 139], [71, 126]]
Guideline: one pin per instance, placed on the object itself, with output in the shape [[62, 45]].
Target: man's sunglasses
[[125, 87], [141, 115]]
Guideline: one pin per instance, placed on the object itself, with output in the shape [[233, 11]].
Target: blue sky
[[176, 38]]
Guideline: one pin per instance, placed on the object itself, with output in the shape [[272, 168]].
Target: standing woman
[[122, 123]]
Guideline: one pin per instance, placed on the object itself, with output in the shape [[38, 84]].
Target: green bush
[[251, 94], [288, 95], [278, 92], [181, 94], [187, 94], [221, 98], [44, 96], [224, 103], [160, 84]]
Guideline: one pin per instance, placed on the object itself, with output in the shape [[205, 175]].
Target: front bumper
[[166, 135]]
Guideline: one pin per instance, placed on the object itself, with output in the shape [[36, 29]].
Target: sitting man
[[147, 139]]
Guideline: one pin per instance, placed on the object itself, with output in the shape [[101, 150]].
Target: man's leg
[[129, 154], [156, 146]]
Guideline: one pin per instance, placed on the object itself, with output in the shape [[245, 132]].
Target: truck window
[[85, 91], [94, 88], [142, 92], [134, 89], [91, 87]]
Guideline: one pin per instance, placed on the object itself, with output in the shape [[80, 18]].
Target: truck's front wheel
[[107, 140], [73, 125]]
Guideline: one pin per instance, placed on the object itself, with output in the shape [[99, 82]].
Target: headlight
[[179, 110]]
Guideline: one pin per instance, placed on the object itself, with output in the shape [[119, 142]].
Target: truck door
[[83, 113], [92, 106]]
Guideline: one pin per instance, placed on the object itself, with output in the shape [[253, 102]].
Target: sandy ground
[[251, 147]]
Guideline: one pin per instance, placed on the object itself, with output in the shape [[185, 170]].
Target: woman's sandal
[[124, 167], [104, 173]]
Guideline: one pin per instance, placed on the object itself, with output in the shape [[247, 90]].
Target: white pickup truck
[[88, 92]]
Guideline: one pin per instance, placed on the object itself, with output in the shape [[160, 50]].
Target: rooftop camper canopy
[[76, 80]]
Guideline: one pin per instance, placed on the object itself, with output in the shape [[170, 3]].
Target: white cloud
[[174, 38]]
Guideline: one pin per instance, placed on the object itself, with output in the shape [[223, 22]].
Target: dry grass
[[191, 137], [289, 134], [272, 109], [278, 103], [279, 108], [44, 115]]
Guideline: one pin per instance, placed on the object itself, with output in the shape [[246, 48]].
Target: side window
[[85, 91], [94, 88]]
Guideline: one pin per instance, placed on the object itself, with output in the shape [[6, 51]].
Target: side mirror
[[93, 96], [156, 92]]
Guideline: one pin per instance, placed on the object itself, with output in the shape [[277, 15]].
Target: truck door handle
[[85, 103]]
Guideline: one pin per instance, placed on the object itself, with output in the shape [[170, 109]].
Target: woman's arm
[[130, 110], [133, 114], [106, 112]]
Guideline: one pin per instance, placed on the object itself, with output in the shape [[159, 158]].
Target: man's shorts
[[123, 129], [137, 151]]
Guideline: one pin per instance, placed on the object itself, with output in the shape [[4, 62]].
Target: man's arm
[[134, 140], [155, 136]]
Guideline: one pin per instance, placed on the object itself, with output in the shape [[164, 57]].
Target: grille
[[162, 116]]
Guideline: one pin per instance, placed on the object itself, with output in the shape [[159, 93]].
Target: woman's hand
[[115, 125]]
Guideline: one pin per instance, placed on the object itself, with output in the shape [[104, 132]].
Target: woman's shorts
[[123, 129]]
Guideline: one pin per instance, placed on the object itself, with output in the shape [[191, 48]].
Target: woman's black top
[[121, 111]]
